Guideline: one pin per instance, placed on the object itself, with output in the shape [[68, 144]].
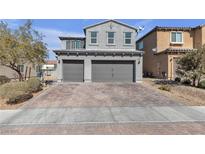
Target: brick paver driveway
[[100, 95], [103, 108]]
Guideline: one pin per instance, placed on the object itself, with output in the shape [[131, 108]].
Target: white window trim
[[125, 38], [96, 38], [110, 44], [176, 42]]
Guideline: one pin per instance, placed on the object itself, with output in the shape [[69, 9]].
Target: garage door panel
[[112, 71], [101, 72], [123, 72], [73, 70]]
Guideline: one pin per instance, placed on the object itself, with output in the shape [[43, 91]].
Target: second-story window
[[93, 36], [74, 44], [111, 38], [127, 38], [78, 44], [176, 37], [68, 44]]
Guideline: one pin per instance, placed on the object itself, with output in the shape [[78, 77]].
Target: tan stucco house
[[27, 70], [163, 45]]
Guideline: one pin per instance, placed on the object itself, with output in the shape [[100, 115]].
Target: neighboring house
[[107, 53], [164, 45], [26, 70], [49, 70]]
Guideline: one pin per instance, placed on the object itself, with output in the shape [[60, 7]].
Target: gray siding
[[102, 36]]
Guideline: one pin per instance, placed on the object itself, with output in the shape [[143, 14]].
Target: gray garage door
[[112, 71], [73, 70]]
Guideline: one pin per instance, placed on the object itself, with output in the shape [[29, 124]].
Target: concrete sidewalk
[[92, 115]]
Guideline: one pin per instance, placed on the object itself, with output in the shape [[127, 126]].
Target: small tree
[[192, 65], [21, 46]]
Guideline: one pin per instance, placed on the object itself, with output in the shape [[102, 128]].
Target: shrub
[[202, 84], [19, 96], [177, 79], [15, 92], [4, 79], [186, 82], [34, 85], [165, 88]]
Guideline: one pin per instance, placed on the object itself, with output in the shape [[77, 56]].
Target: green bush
[[202, 84], [165, 88], [4, 79], [34, 85]]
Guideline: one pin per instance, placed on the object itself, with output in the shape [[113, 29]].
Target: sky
[[53, 28]]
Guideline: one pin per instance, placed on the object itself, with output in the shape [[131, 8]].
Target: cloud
[[52, 40]]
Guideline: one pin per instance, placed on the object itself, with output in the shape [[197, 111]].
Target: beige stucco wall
[[6, 71], [161, 65], [198, 37], [203, 35], [171, 65], [163, 40], [149, 61]]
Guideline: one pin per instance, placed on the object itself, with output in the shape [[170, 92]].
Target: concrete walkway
[[91, 115]]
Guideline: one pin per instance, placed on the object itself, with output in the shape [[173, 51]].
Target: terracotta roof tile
[[51, 62]]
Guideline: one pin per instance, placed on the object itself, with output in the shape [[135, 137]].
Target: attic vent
[[111, 25]]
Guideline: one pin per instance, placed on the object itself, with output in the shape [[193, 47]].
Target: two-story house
[[107, 53], [164, 45]]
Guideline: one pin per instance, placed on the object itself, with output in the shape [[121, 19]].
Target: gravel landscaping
[[188, 95], [6, 106]]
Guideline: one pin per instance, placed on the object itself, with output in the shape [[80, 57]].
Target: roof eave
[[138, 52], [87, 27], [156, 28]]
